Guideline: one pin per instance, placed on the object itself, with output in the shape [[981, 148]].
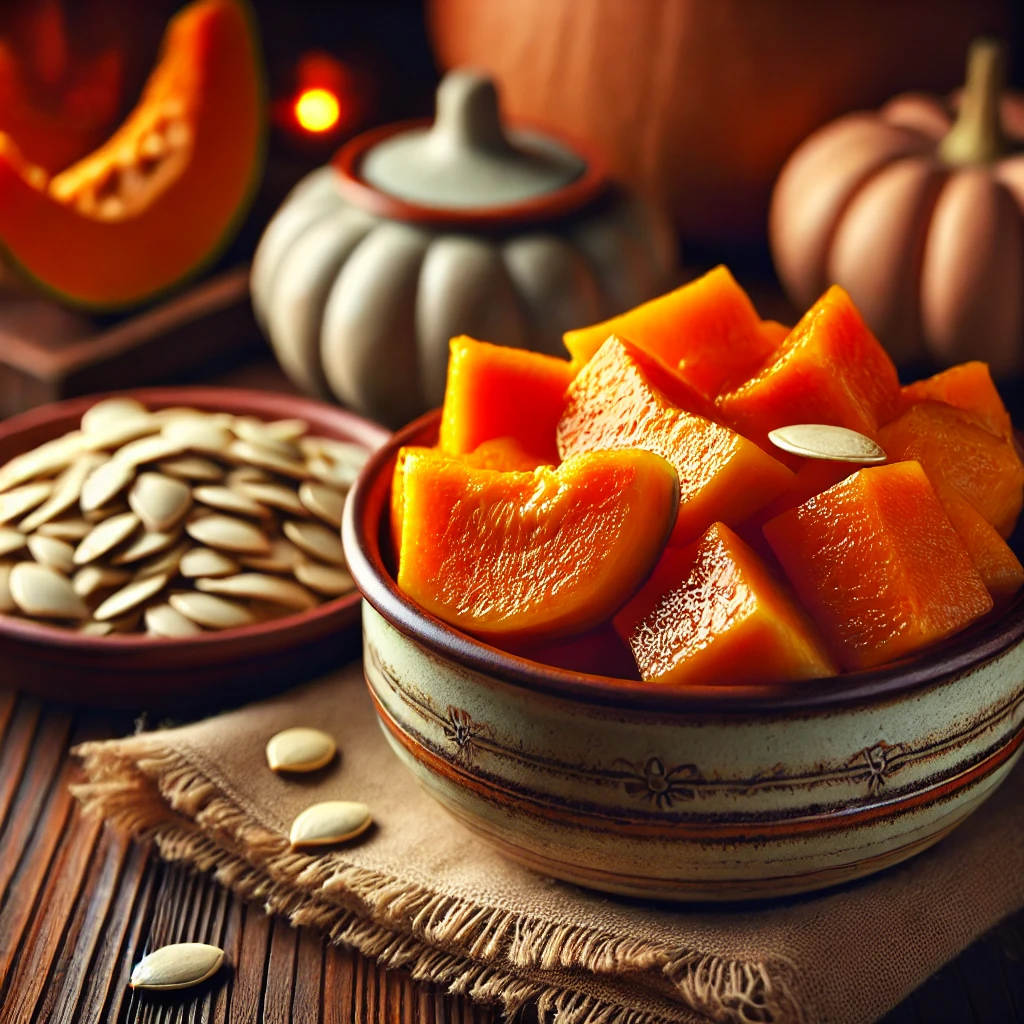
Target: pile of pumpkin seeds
[[173, 522]]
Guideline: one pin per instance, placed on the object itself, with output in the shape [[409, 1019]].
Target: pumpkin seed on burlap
[[333, 821], [192, 467], [323, 501], [211, 611], [163, 620], [75, 529], [45, 593], [229, 534], [324, 579], [58, 554], [6, 600], [824, 441], [263, 588], [17, 502], [91, 579], [177, 966], [300, 750], [225, 499], [317, 541], [207, 562], [130, 597], [159, 501], [105, 536], [10, 541]]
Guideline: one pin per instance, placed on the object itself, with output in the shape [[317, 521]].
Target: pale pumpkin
[[918, 212]]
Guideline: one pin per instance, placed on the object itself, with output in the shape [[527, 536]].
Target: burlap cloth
[[422, 892]]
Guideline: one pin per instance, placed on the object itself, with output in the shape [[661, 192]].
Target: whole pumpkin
[[699, 102], [360, 308], [919, 214]]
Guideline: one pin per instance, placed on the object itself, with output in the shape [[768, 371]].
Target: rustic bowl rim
[[240, 401], [364, 519]]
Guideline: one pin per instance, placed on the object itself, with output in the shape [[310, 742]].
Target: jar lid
[[466, 167]]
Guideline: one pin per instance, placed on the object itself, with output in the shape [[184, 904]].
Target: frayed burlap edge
[[159, 796]]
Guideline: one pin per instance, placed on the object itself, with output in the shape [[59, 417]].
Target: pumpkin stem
[[977, 135]]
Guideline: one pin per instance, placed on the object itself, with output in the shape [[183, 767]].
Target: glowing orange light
[[317, 110]]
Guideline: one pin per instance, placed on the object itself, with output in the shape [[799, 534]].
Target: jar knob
[[468, 116]]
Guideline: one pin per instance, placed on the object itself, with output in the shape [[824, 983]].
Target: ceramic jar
[[416, 233]]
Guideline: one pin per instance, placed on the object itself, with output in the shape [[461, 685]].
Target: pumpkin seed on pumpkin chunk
[[45, 593], [333, 821], [824, 441], [300, 749], [180, 965]]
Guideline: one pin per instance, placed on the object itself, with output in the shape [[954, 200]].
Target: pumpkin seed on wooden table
[[300, 750], [824, 441], [330, 822], [180, 965], [173, 522]]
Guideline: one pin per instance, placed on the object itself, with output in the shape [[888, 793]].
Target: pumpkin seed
[[210, 611], [255, 432], [260, 587], [275, 495], [228, 534], [324, 579], [283, 557], [45, 593], [198, 434], [180, 965], [165, 563], [58, 554], [129, 597], [824, 441], [163, 620], [159, 501], [103, 483], [317, 541], [286, 430], [66, 491], [48, 458], [333, 821], [98, 515], [66, 529], [146, 545], [16, 503], [206, 562], [93, 578], [324, 502], [11, 540], [345, 452], [147, 449], [105, 536], [265, 458], [248, 474], [300, 750], [111, 410], [119, 432], [227, 500], [334, 474], [192, 467], [6, 600], [96, 628]]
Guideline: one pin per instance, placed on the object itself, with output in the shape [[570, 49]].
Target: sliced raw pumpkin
[[712, 614], [879, 566], [968, 387], [160, 198], [955, 450], [625, 398], [997, 565], [830, 369], [520, 557], [774, 335], [494, 391], [709, 328]]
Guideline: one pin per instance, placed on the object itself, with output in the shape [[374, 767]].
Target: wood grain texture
[[80, 904]]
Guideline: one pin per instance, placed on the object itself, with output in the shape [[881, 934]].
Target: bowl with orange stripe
[[703, 793]]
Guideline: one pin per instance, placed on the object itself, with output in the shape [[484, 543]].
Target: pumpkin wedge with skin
[[968, 387], [504, 454], [709, 328], [830, 369], [494, 391], [522, 557], [712, 614], [163, 194], [626, 398], [997, 565], [879, 566], [955, 450]]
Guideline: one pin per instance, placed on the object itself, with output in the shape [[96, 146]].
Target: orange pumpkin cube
[[830, 369], [709, 328], [997, 565], [712, 614], [626, 398], [955, 450], [493, 391], [968, 387], [879, 566], [521, 557]]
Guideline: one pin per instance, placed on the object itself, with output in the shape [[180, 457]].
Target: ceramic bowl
[[697, 794], [137, 671]]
